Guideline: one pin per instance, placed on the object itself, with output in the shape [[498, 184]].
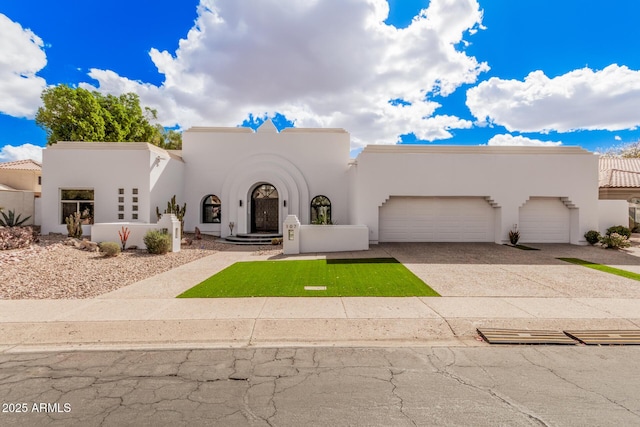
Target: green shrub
[[615, 241], [110, 249], [276, 241], [592, 237], [157, 242], [619, 229]]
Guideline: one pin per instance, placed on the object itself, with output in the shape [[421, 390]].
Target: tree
[[76, 114], [631, 150]]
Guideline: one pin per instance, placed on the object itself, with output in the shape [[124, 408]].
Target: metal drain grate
[[606, 337], [523, 336]]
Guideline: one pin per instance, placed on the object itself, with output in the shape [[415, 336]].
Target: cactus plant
[[174, 208], [74, 225]]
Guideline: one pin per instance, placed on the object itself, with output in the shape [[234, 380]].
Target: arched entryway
[[264, 209]]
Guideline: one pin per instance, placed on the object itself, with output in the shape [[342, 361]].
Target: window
[[120, 190], [135, 200], [134, 216], [211, 209], [120, 199], [120, 208], [76, 200], [40, 180], [134, 208], [135, 191], [321, 210], [120, 216]]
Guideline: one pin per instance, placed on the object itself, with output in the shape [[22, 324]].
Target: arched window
[[211, 209], [321, 210]]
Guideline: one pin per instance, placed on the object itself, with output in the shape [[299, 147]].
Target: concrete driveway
[[490, 270]]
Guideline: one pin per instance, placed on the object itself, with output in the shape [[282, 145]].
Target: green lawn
[[372, 277], [601, 267]]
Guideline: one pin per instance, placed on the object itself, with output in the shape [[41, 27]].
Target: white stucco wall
[[106, 167], [299, 238], [506, 176], [166, 180], [333, 238], [231, 162], [108, 232], [611, 213]]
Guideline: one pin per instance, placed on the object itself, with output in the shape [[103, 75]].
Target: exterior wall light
[[240, 203]]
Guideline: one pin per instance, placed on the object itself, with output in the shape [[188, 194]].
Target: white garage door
[[544, 220], [436, 219]]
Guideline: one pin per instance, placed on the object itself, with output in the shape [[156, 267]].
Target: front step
[[253, 238]]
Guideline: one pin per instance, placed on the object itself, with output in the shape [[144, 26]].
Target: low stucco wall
[[333, 238], [108, 231], [612, 212]]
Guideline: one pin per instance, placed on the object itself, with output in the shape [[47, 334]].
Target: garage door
[[436, 219], [544, 220]]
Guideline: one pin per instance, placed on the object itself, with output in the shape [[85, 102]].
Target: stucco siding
[[506, 177], [104, 168], [231, 163]]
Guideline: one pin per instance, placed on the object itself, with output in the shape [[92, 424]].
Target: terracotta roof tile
[[619, 172], [22, 165]]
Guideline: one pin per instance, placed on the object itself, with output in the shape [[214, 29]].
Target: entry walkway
[[147, 314]]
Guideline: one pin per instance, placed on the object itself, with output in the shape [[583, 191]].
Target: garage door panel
[[433, 219], [544, 220]]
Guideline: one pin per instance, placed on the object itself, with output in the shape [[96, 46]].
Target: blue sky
[[454, 72]]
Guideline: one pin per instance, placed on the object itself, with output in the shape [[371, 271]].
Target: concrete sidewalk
[[147, 315]]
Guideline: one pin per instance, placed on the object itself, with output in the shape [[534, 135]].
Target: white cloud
[[21, 57], [581, 99], [10, 153], [508, 139], [617, 138], [329, 63]]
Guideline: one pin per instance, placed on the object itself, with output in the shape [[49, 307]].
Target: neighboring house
[[20, 186], [401, 192], [620, 180]]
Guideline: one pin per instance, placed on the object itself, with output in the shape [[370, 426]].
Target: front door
[[264, 209]]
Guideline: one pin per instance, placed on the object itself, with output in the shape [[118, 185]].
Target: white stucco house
[[400, 193]]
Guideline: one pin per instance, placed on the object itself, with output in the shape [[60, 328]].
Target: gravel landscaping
[[52, 270]]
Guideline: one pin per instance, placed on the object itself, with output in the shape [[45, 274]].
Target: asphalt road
[[479, 386]]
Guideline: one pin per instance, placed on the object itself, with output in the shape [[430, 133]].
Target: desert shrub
[[16, 237], [157, 242], [615, 241], [592, 237], [514, 236], [276, 241], [619, 229], [110, 249]]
